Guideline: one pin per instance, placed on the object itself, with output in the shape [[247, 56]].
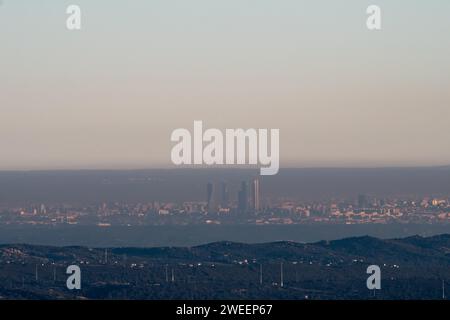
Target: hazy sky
[[110, 95]]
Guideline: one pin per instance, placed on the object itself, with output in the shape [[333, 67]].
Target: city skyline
[[232, 201]]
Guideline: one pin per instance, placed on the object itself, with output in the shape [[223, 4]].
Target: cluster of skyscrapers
[[248, 197]]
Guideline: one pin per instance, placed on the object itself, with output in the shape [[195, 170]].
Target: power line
[[36, 275], [281, 275], [260, 274], [167, 274]]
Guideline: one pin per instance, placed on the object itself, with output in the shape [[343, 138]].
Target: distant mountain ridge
[[414, 249]]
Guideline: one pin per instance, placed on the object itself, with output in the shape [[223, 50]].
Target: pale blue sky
[[109, 96]]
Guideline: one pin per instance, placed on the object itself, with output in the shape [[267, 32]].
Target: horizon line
[[229, 168]]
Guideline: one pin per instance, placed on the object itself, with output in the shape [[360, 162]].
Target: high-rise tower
[[243, 197], [209, 196], [224, 196], [256, 205]]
